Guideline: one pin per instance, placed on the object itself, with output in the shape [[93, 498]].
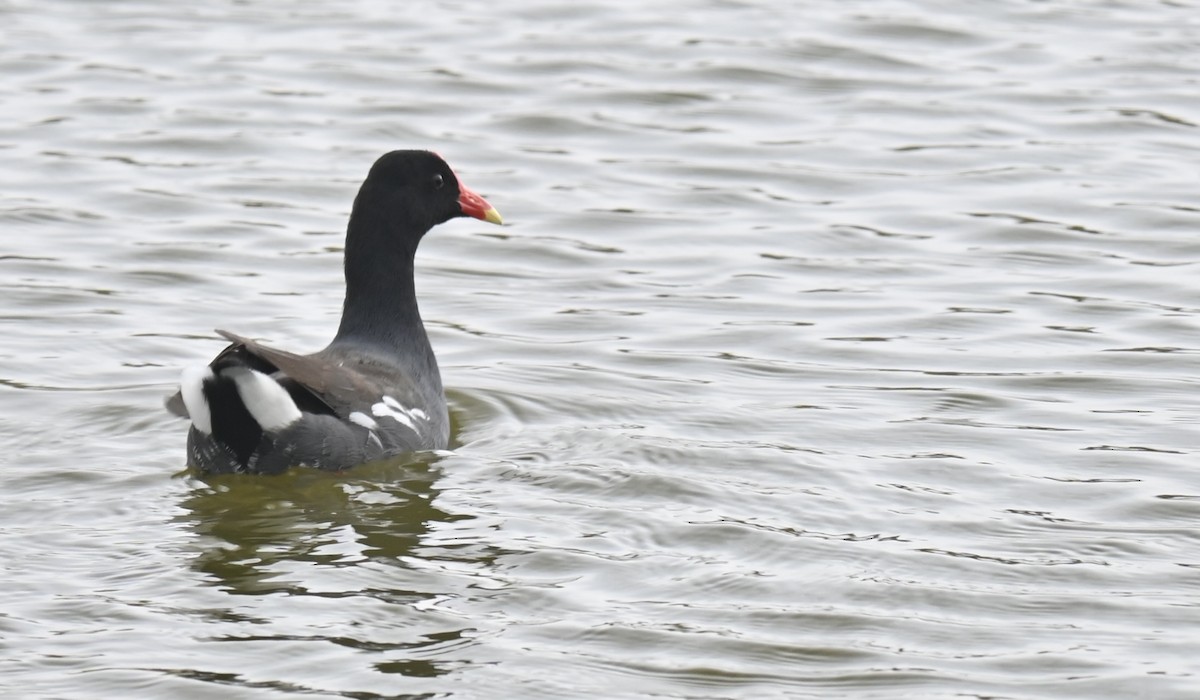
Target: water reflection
[[342, 549], [278, 534]]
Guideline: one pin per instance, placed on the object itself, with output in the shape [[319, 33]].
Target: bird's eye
[[438, 181]]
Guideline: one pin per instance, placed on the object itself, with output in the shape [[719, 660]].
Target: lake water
[[831, 350]]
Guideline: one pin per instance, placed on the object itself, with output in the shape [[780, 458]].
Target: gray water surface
[[832, 349]]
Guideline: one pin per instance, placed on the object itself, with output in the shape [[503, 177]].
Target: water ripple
[[841, 350]]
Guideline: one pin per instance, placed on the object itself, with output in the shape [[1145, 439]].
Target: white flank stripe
[[191, 387], [360, 418], [266, 400], [383, 409]]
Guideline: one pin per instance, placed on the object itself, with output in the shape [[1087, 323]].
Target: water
[[837, 349]]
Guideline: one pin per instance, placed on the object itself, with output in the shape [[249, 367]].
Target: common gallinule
[[375, 391]]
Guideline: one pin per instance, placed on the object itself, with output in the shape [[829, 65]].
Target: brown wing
[[175, 406], [339, 387]]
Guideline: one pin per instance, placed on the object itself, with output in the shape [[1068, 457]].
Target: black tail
[[232, 423]]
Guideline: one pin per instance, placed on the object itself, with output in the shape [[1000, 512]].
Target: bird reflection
[[280, 534]]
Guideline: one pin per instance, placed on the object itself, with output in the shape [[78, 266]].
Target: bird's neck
[[380, 311]]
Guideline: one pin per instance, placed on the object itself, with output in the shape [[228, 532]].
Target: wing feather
[[342, 388]]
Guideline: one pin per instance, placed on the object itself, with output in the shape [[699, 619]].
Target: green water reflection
[[259, 533]]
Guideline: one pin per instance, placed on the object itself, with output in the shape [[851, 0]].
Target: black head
[[410, 192]]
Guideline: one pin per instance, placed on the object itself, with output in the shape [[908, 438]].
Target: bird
[[375, 391]]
